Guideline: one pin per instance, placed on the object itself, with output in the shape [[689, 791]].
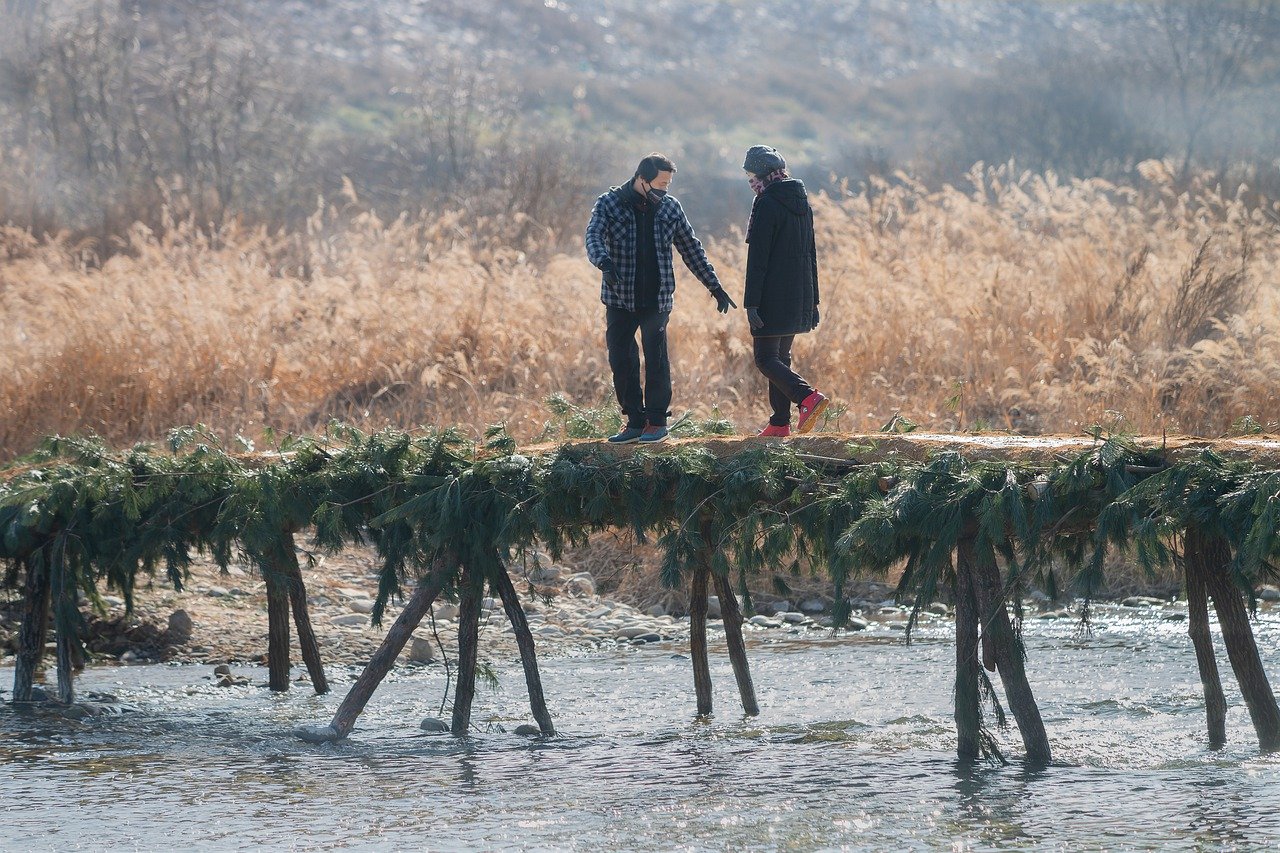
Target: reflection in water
[[854, 749]]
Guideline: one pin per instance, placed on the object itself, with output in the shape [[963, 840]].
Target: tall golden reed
[[1020, 302]]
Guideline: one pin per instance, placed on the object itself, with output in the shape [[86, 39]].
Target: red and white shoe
[[771, 431], [813, 406]]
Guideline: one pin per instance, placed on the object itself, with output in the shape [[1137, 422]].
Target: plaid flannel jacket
[[611, 235]]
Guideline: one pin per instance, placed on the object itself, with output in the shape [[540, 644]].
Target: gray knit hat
[[763, 159]]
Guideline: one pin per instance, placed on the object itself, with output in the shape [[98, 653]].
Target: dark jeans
[[773, 359], [649, 406]]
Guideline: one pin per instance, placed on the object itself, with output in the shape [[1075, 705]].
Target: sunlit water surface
[[853, 750]]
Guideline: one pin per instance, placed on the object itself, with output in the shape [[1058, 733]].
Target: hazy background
[[112, 109]]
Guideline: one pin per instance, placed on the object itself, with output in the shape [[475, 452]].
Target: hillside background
[[110, 110]]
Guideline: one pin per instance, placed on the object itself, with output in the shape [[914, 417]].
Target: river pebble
[[422, 650]]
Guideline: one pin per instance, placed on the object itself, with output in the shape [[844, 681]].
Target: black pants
[[773, 359], [649, 406]]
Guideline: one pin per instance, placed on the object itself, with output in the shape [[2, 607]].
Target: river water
[[853, 750]]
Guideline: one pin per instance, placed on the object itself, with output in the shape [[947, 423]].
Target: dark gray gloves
[[754, 318], [723, 302], [610, 274]]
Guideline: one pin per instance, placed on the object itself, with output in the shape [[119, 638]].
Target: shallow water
[[852, 750]]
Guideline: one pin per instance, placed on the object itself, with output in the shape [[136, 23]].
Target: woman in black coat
[[782, 286]]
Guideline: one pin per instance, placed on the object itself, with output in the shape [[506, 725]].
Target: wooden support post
[[698, 638], [1237, 635], [1008, 648], [968, 714], [67, 615], [528, 652], [380, 664], [288, 564], [471, 592], [277, 627], [35, 625], [1215, 702], [732, 616]]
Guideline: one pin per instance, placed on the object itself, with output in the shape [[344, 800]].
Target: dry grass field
[[1017, 302]]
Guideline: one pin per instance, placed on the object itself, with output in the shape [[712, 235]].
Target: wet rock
[[222, 669], [630, 632], [129, 656], [1142, 601], [431, 724], [527, 730], [180, 627], [650, 638], [813, 605], [316, 734], [75, 711], [763, 621], [421, 650], [897, 625], [1175, 617]]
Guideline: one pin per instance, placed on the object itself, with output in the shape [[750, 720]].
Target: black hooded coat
[[782, 261]]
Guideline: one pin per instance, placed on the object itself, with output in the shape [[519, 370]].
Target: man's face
[[662, 182]]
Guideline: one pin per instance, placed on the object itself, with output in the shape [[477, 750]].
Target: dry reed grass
[[1021, 302]]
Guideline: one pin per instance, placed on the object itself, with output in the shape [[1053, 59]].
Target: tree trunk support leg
[[1215, 702], [380, 664], [472, 590], [732, 616], [1237, 636], [301, 617], [528, 652], [1008, 650], [698, 639], [35, 610], [277, 627], [968, 713]]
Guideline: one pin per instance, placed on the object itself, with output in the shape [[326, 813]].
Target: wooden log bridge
[[973, 517]]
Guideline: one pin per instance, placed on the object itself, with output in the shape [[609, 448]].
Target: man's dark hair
[[653, 164]]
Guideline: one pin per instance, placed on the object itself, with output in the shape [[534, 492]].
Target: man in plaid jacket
[[629, 239]]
